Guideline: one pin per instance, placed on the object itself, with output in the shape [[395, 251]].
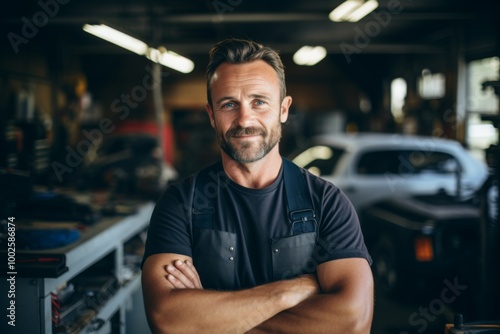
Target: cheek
[[277, 118], [222, 122]]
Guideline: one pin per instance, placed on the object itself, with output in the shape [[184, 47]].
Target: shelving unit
[[106, 238]]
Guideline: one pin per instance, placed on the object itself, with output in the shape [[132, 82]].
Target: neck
[[257, 174]]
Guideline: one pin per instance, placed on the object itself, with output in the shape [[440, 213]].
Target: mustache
[[240, 131]]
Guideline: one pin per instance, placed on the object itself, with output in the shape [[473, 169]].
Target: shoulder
[[180, 194], [186, 185]]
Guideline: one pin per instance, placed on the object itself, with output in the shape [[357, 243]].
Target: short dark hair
[[240, 51]]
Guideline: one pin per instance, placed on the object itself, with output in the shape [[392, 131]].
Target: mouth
[[246, 136], [245, 133]]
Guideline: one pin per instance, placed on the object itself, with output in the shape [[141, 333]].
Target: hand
[[183, 275]]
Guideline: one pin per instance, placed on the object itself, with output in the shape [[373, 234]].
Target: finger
[[175, 282], [180, 276], [188, 273], [173, 277], [195, 273]]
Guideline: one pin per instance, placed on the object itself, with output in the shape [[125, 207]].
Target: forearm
[[206, 311], [325, 313], [345, 306]]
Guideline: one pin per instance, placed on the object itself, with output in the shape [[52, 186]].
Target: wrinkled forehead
[[255, 70]]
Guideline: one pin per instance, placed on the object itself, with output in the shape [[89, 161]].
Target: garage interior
[[68, 98]]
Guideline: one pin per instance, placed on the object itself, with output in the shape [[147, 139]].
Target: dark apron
[[215, 251]]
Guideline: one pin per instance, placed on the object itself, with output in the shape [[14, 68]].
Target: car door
[[371, 177], [377, 174]]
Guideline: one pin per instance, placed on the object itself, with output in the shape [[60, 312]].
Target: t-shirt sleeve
[[340, 232], [169, 229]]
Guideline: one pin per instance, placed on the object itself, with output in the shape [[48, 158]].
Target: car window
[[319, 159], [406, 162]]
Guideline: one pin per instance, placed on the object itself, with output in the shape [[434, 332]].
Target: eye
[[259, 102], [228, 105]]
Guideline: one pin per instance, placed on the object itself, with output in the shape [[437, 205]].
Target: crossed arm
[[338, 299]]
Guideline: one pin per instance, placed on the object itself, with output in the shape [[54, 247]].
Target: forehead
[[257, 72]]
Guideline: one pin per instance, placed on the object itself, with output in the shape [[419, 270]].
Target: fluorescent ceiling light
[[176, 61], [164, 57], [343, 10], [117, 37], [363, 10], [171, 59], [309, 55], [352, 10]]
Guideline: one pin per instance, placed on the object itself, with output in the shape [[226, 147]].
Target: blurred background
[[394, 101]]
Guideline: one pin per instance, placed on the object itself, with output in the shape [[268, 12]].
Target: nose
[[245, 116]]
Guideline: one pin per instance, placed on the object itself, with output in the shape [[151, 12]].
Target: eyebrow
[[259, 96], [224, 98]]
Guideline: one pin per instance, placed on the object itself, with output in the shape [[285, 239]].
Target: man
[[222, 255]]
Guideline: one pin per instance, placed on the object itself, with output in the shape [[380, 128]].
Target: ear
[[210, 113], [285, 106]]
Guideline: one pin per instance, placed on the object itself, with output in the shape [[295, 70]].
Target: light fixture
[[309, 55], [162, 56], [352, 10], [176, 61], [117, 37]]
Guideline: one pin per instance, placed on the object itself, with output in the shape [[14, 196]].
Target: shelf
[[99, 241], [119, 298], [114, 303], [103, 241]]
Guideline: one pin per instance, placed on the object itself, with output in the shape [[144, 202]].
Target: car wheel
[[385, 266]]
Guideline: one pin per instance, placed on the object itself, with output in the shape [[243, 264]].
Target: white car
[[369, 167]]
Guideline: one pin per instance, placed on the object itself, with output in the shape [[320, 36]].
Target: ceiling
[[191, 27], [422, 28]]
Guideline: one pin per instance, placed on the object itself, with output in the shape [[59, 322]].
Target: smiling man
[[253, 243]]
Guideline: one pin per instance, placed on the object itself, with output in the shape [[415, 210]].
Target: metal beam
[[258, 17], [284, 48]]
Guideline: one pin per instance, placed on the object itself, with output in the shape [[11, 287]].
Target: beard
[[247, 151]]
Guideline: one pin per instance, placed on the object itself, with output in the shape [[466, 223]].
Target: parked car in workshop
[[411, 194], [369, 167], [417, 242]]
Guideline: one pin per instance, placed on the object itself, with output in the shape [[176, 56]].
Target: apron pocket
[[214, 256], [293, 256]]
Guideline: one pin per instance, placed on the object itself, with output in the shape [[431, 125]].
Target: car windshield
[[405, 162], [319, 159]]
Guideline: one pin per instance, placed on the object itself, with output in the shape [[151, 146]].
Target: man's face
[[247, 112]]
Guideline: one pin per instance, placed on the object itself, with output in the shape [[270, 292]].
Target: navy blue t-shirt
[[251, 242]]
